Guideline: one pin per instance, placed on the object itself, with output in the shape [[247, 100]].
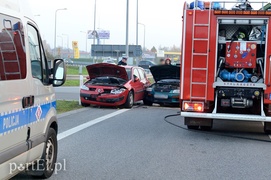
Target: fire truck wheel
[[206, 128], [267, 127], [192, 127]]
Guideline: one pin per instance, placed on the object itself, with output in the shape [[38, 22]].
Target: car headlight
[[117, 91], [177, 91], [149, 89], [84, 87]]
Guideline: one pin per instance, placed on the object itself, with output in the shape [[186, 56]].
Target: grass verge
[[74, 70], [151, 80], [70, 82], [65, 106]]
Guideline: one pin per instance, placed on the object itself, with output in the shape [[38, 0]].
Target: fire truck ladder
[[197, 54], [8, 52]]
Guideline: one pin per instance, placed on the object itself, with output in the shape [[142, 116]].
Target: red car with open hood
[[113, 85]]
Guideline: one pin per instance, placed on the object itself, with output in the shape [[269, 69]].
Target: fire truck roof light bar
[[210, 4]]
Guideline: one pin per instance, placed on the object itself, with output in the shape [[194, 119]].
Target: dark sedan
[[145, 64], [166, 89]]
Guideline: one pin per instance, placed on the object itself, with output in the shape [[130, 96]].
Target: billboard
[[115, 50], [99, 34], [160, 53]]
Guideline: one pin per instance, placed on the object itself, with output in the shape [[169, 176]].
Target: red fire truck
[[226, 63]]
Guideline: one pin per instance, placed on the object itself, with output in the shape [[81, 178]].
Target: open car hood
[[165, 72], [104, 69]]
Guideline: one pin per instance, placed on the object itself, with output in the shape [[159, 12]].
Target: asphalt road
[[139, 144]]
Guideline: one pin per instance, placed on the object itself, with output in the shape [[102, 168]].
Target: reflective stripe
[[241, 117], [16, 120]]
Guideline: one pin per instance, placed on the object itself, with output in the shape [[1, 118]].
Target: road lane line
[[88, 124]]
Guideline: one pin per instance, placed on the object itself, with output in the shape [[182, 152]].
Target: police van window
[[12, 49], [37, 58]]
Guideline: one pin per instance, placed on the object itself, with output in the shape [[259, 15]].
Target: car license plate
[[160, 96]]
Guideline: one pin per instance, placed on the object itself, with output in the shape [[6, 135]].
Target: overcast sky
[[162, 19]]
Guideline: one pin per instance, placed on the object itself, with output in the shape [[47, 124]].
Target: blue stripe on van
[[19, 119]]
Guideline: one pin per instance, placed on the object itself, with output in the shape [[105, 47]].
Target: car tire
[[84, 104], [130, 100], [147, 102], [48, 160]]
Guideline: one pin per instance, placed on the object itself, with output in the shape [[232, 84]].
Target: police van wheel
[[49, 155]]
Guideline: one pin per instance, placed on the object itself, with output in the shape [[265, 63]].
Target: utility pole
[[127, 29]]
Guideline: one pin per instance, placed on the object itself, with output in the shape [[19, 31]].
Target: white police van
[[28, 124]]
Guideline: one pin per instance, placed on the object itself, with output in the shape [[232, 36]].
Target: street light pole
[[86, 40], [144, 35], [94, 29], [136, 22], [127, 28], [55, 29], [137, 59]]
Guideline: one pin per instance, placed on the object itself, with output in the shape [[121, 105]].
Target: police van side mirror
[[59, 73]]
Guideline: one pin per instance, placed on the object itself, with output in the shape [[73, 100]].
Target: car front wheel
[[130, 100]]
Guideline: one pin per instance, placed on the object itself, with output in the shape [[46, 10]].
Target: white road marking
[[88, 124]]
